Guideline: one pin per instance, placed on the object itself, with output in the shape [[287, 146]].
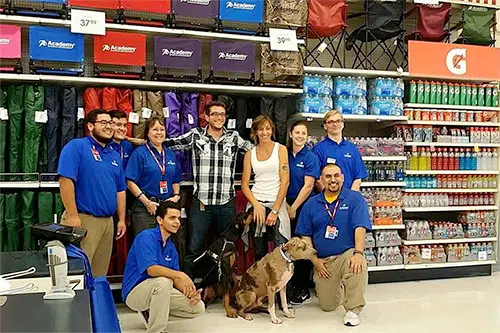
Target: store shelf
[[97, 81], [351, 117], [451, 264], [449, 241], [20, 184], [384, 158], [25, 20], [388, 227], [49, 184], [451, 107], [448, 208], [451, 144], [382, 184], [453, 123], [470, 3], [385, 268], [452, 172], [450, 190], [353, 72]]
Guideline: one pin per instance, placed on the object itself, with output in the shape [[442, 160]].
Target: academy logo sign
[[177, 53], [232, 56], [240, 5], [118, 49], [56, 45]]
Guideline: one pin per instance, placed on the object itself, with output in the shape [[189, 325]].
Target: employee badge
[[163, 187], [331, 232], [96, 155]]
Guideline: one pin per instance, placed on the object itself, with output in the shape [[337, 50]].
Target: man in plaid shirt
[[215, 151]]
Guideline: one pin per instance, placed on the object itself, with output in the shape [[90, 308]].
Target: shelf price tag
[[88, 22], [426, 253], [283, 40], [482, 255], [133, 118], [41, 117], [146, 113]]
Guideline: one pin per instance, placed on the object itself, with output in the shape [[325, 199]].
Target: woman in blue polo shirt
[[304, 170], [153, 176]]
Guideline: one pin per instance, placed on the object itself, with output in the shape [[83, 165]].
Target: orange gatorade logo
[[455, 61]]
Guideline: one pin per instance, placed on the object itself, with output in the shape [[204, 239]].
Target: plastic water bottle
[[494, 160], [461, 160], [468, 160], [480, 160], [474, 160]]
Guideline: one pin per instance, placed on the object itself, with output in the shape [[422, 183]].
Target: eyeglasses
[[105, 123], [336, 122], [217, 114]]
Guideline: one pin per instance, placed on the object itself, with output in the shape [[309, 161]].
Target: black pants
[[140, 219], [301, 278]]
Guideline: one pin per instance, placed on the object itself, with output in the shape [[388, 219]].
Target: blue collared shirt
[[97, 173], [124, 149], [145, 172], [146, 251], [352, 213], [305, 163], [345, 154]]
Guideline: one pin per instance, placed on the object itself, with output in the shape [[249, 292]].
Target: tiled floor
[[469, 305]]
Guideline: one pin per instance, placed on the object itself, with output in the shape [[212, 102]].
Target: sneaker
[[145, 317], [300, 297], [351, 319]]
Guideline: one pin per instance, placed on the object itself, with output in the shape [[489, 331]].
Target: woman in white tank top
[[269, 162]]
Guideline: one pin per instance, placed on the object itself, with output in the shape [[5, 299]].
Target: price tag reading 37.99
[[283, 40], [88, 22]]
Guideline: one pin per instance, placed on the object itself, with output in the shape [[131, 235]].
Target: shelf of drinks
[[451, 172], [388, 227], [136, 84], [450, 264], [354, 72], [450, 190], [451, 107], [383, 184], [384, 158], [26, 20], [452, 123], [451, 144], [351, 117], [385, 268], [448, 241], [448, 209]]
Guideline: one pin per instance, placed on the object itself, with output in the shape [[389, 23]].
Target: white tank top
[[267, 175]]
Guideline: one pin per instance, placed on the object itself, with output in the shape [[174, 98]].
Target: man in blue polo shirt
[[335, 149], [92, 185], [153, 285], [334, 223], [120, 142]]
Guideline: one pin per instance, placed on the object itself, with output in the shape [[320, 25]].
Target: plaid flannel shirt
[[214, 162]]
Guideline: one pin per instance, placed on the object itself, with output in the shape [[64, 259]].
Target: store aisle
[[454, 305]]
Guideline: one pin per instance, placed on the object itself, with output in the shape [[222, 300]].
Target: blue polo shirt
[[124, 149], [146, 251], [345, 154], [97, 173], [143, 170], [352, 213], [305, 163]]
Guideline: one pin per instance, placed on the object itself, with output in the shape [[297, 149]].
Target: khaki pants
[[159, 296], [98, 243], [343, 285]]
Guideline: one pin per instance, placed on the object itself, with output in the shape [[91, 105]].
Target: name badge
[[331, 232], [331, 160], [96, 155], [163, 187]]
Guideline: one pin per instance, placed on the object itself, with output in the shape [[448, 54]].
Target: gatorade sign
[[453, 61], [120, 48]]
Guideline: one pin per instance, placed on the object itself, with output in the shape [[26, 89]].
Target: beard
[[100, 138]]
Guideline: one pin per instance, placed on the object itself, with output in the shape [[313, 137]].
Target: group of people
[[96, 171]]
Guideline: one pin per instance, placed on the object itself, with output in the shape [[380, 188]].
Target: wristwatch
[[274, 211], [359, 252]]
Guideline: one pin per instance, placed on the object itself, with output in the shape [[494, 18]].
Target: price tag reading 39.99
[[88, 22], [283, 40]]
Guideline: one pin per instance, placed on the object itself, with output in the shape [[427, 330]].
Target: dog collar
[[286, 256]]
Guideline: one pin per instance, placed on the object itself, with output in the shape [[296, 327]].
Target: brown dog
[[268, 276]]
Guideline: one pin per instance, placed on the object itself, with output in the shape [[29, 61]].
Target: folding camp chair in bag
[[195, 14], [477, 24], [291, 13], [433, 22], [10, 49], [134, 12], [111, 7], [327, 23], [232, 58], [180, 57], [117, 51], [50, 47], [245, 17], [383, 30], [281, 68], [46, 8]]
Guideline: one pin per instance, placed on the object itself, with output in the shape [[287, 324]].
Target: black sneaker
[[300, 297], [145, 317]]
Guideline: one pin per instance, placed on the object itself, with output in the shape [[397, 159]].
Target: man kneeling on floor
[[153, 285], [334, 223]]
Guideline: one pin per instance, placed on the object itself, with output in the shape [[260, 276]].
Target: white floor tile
[[455, 305]]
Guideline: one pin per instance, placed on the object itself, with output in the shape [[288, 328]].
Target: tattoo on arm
[[284, 167]]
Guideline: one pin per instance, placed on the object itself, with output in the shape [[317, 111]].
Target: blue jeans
[[199, 225]]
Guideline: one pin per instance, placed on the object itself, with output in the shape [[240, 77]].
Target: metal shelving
[[449, 241], [448, 208]]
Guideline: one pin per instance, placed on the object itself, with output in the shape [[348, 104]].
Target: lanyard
[[161, 166], [332, 214], [121, 151]]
